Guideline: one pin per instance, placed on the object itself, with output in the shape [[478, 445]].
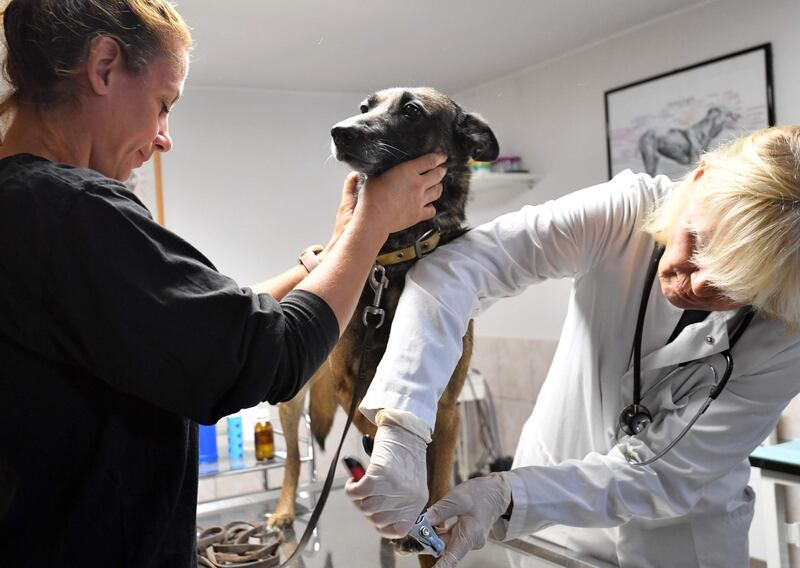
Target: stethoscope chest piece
[[634, 419]]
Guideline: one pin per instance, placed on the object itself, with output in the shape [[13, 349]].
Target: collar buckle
[[422, 248]]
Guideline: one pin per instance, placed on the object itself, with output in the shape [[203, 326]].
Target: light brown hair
[[48, 40]]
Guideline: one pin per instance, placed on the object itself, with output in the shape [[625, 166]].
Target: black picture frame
[[659, 125]]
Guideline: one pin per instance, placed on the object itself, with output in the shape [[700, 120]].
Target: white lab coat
[[691, 508]]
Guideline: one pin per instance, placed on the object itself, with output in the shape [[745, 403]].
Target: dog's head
[[400, 124]]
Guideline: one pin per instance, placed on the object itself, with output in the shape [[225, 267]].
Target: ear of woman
[[105, 58]]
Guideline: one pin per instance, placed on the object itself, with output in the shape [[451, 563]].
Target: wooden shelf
[[485, 181]]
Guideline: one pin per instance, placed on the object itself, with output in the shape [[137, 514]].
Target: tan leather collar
[[421, 247]]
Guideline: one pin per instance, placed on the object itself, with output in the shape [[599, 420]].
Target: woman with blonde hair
[[117, 336], [679, 352]]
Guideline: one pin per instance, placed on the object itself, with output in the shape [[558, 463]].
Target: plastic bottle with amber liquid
[[264, 436]]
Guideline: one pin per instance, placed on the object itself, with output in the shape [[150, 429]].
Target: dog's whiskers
[[388, 148]]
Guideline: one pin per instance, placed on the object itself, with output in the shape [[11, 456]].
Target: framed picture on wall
[[146, 184], [660, 125]]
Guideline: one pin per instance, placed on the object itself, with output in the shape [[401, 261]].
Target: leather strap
[[359, 390], [421, 247], [229, 546]]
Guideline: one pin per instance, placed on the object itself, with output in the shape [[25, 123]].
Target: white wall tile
[[230, 485]]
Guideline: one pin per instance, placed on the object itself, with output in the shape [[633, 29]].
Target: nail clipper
[[421, 531]]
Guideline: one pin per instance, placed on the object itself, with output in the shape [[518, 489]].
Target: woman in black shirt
[[116, 336]]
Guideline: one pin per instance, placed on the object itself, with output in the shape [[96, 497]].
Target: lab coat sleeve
[[561, 238], [606, 490]]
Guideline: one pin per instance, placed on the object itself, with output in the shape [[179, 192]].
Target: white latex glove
[[477, 503], [394, 489]]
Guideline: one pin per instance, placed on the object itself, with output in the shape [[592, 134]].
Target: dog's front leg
[[290, 413], [442, 449]]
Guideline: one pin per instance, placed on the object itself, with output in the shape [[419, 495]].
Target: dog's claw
[[406, 546]]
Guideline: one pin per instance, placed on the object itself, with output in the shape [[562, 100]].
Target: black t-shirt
[[116, 337]]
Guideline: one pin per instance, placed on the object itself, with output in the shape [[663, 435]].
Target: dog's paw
[[280, 520], [406, 546], [427, 561]]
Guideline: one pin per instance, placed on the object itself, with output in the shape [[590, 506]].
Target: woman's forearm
[[340, 279], [279, 286]]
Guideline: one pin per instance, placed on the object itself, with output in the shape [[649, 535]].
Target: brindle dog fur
[[395, 125]]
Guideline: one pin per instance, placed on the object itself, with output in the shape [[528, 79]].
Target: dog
[[395, 125], [684, 145]]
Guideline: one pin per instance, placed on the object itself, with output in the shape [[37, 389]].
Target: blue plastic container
[[208, 443], [235, 440]]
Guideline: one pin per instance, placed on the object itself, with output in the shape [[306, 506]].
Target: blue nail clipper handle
[[423, 533]]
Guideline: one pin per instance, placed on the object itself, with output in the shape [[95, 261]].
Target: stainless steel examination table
[[345, 539]]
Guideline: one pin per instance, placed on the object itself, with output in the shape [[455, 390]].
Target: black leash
[[372, 317]]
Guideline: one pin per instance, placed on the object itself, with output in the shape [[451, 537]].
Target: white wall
[[250, 181], [553, 116]]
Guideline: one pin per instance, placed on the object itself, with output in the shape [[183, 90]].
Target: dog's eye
[[364, 109], [411, 110]]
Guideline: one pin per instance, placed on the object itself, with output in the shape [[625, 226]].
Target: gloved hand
[[394, 489], [477, 503]]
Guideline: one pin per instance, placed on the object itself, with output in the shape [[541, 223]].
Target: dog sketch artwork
[[662, 124], [394, 125], [684, 145]]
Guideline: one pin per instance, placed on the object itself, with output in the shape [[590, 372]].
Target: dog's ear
[[478, 138]]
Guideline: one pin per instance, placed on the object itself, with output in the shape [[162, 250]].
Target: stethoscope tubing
[[713, 393], [677, 438], [716, 387], [672, 373], [637, 343]]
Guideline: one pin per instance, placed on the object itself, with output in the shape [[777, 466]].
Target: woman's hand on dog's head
[[403, 195]]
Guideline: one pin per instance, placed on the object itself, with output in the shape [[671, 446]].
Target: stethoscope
[[635, 418]]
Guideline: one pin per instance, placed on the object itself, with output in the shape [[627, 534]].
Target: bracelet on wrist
[[308, 257]]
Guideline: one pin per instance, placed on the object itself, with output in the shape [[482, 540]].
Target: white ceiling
[[365, 45]]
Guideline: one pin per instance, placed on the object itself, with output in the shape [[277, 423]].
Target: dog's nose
[[343, 134]]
